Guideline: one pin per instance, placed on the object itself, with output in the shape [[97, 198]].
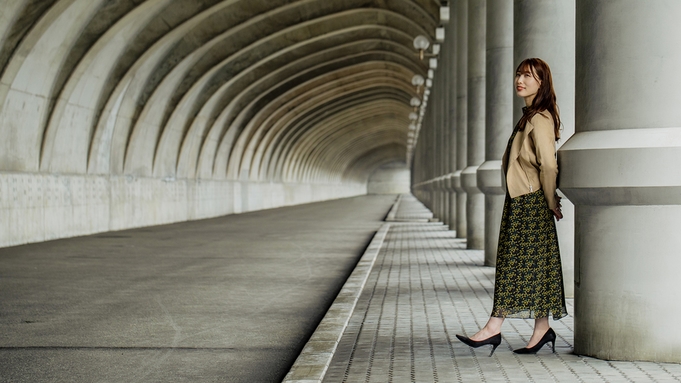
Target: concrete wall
[[41, 207], [393, 178]]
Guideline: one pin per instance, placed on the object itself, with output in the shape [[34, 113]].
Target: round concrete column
[[621, 171], [448, 150], [449, 184], [432, 130], [427, 159], [546, 29], [475, 203], [417, 170], [434, 154], [461, 115], [450, 51], [440, 142], [442, 194], [499, 117]]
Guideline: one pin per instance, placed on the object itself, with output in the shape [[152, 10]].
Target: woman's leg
[[493, 327], [541, 326]]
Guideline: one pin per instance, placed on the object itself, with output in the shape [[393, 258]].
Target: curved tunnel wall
[[125, 113]]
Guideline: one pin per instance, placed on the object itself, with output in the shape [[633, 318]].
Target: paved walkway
[[414, 289]]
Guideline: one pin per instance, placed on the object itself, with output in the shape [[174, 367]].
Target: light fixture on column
[[417, 81], [421, 43], [432, 63], [415, 102], [436, 49], [431, 73], [413, 117], [429, 83]]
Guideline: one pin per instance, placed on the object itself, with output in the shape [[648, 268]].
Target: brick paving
[[423, 288]]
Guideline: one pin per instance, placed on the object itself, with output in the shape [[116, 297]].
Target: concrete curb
[[314, 360], [393, 210]]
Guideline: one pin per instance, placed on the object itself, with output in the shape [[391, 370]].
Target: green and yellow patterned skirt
[[529, 277]]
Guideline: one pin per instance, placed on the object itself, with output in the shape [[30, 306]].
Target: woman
[[529, 279]]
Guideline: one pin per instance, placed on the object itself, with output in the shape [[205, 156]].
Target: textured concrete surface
[[38, 207], [151, 108], [230, 299], [424, 288], [392, 178], [626, 218]]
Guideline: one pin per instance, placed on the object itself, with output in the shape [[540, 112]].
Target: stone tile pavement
[[414, 289]]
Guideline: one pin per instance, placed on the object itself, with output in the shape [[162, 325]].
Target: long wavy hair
[[545, 100]]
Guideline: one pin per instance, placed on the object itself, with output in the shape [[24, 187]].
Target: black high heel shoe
[[549, 336], [494, 340]]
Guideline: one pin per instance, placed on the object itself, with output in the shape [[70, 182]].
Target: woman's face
[[526, 85]]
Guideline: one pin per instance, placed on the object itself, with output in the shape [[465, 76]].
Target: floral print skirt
[[529, 277]]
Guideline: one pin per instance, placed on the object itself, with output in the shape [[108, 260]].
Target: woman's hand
[[556, 210]]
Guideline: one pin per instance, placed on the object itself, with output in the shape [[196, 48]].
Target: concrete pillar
[[499, 117], [450, 50], [444, 123], [432, 141], [462, 114], [423, 154], [546, 29], [446, 150], [475, 202], [438, 104], [432, 152], [621, 171], [432, 130]]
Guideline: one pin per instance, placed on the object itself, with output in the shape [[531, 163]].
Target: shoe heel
[[494, 347], [553, 346]]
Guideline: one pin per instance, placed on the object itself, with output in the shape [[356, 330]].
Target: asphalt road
[[230, 299]]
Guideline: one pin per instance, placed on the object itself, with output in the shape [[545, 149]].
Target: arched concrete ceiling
[[285, 90]]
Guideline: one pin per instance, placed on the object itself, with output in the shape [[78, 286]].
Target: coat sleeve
[[545, 150]]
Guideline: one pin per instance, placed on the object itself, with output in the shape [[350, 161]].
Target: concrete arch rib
[[16, 20], [318, 150], [69, 132], [309, 115], [131, 94], [29, 79], [331, 152], [358, 111], [362, 167], [337, 163], [333, 167], [275, 88], [243, 69], [59, 40], [114, 56], [310, 93], [284, 143], [305, 75]]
